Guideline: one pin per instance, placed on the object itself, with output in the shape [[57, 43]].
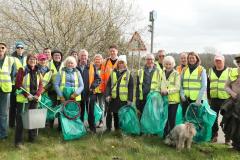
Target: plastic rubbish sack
[[98, 113], [51, 114], [179, 117], [155, 114], [72, 126], [128, 120], [203, 118]]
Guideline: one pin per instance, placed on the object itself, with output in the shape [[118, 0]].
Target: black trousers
[[12, 108], [172, 111], [215, 105], [90, 110], [19, 126], [185, 105], [109, 117], [140, 106]]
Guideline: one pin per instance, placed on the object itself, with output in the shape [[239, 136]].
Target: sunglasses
[[19, 47]]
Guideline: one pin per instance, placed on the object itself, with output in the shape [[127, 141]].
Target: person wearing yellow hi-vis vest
[[30, 79], [171, 89], [217, 77], [91, 81], [119, 91], [160, 56], [193, 82], [148, 79], [20, 58], [7, 73]]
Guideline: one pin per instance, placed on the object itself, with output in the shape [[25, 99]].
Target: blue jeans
[[3, 114]]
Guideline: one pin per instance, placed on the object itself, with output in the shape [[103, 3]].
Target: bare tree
[[71, 24]]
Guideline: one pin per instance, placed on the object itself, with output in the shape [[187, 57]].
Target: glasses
[[19, 47], [238, 61], [161, 56], [2, 47]]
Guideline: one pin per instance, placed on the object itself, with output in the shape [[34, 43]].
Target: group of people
[[110, 83]]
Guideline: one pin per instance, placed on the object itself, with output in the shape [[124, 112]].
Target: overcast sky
[[192, 25]]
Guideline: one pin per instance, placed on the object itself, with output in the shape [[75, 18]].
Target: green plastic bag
[[51, 114], [155, 114], [98, 113], [71, 128], [67, 92], [203, 118], [179, 117], [128, 120]]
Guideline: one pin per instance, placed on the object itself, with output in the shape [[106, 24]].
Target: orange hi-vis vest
[[106, 70]]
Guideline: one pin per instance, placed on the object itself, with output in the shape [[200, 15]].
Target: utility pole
[[152, 17]]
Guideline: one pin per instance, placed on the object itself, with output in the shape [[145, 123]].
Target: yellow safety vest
[[26, 85], [192, 83], [158, 66], [5, 74], [63, 83], [54, 70], [155, 83], [173, 98], [18, 64], [217, 84], [47, 78], [123, 87]]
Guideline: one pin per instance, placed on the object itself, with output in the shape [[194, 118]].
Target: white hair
[[70, 59], [97, 55], [169, 59], [83, 51], [150, 56]]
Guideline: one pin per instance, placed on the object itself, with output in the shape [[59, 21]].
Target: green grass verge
[[49, 145]]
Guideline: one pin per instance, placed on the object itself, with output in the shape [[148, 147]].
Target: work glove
[[36, 97], [183, 98], [30, 97], [198, 102], [62, 99], [129, 103], [73, 96], [108, 99], [164, 92]]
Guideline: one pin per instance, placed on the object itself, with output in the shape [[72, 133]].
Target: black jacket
[[85, 75]]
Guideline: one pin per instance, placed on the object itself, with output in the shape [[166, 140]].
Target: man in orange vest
[[108, 65], [91, 81], [183, 62]]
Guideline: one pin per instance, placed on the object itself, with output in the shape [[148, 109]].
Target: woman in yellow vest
[[119, 91], [30, 79], [217, 77], [193, 82], [171, 89]]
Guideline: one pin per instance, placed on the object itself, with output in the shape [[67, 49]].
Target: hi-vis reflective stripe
[[216, 88], [4, 73], [191, 80], [1, 80], [192, 89], [216, 80]]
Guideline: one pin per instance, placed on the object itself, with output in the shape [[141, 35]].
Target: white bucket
[[34, 118]]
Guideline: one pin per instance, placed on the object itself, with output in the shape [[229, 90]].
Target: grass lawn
[[50, 145]]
